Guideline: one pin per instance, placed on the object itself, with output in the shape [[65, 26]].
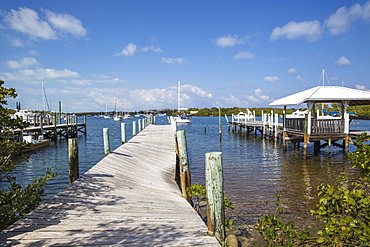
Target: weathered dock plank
[[128, 198]]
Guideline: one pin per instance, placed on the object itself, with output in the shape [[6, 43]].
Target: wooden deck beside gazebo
[[314, 127]]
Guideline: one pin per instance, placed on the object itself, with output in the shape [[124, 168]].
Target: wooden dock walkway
[[130, 198]]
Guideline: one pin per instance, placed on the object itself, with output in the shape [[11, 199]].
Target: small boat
[[242, 116], [25, 115], [117, 116], [127, 116], [297, 114], [36, 144], [106, 116], [181, 118]]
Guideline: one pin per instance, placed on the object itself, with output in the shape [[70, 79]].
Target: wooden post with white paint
[[133, 128], [215, 194], [106, 141], [123, 133]]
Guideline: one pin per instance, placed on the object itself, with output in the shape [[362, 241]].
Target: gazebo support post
[[284, 130], [346, 126], [307, 129]]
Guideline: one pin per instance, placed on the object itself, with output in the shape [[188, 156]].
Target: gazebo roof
[[327, 94]]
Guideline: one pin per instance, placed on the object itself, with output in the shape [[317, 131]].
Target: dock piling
[[133, 128], [185, 179], [74, 172], [106, 141], [215, 194], [123, 133]]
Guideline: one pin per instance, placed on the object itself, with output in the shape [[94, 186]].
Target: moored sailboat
[[181, 118]]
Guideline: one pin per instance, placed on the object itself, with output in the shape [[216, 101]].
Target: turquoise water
[[255, 169]]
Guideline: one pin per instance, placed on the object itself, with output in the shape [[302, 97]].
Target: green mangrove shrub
[[343, 208]]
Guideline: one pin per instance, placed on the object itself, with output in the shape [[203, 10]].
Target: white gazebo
[[314, 128]]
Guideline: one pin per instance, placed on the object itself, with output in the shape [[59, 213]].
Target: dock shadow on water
[[257, 169]]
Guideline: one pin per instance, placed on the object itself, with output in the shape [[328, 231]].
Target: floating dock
[[129, 198]]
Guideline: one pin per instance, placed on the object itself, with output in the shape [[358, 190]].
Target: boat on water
[[297, 114], [127, 116], [36, 144], [106, 115], [25, 115], [117, 116], [242, 116], [181, 118]]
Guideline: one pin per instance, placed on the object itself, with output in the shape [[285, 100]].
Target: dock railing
[[318, 126]]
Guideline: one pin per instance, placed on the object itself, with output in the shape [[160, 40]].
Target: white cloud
[[229, 41], [40, 74], [128, 51], [16, 42], [343, 18], [361, 87], [195, 90], [343, 61], [243, 55], [244, 100], [258, 91], [271, 78], [178, 60], [311, 30], [27, 21], [233, 100], [82, 82], [292, 70], [151, 48], [66, 23], [299, 78], [33, 53], [21, 64]]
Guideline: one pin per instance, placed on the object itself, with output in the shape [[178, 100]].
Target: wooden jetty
[[52, 129], [311, 126], [129, 198], [269, 126], [322, 132]]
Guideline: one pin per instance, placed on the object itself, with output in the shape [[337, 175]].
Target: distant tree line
[[363, 111]]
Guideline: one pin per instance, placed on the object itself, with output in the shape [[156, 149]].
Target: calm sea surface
[[255, 169]]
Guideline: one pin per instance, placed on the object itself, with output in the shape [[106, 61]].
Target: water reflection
[[255, 169]]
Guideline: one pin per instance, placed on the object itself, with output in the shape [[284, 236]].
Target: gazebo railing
[[318, 126], [327, 126], [295, 124]]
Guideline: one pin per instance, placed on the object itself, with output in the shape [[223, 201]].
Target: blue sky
[[225, 53]]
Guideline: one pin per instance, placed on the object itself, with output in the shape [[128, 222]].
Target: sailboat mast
[[323, 77], [178, 96], [43, 95]]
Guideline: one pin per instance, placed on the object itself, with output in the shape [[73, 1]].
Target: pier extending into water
[[52, 128], [129, 198], [323, 132]]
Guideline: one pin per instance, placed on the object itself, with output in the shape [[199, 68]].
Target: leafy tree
[[15, 201]]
